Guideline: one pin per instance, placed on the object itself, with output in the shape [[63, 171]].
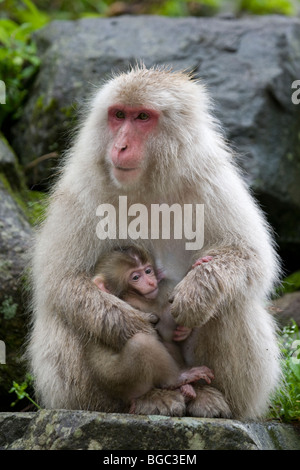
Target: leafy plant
[[263, 7], [20, 390], [291, 283], [18, 55], [8, 308], [286, 401]]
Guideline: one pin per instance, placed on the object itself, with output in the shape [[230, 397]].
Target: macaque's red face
[[143, 279], [131, 127]]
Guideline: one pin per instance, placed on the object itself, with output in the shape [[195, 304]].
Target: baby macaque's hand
[[181, 333], [152, 318], [199, 261]]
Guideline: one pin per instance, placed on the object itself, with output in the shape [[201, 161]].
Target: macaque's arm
[[94, 313], [224, 277]]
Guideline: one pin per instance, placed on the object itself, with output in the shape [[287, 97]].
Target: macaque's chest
[[172, 257]]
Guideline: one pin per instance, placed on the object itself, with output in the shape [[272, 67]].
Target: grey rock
[[83, 430], [15, 234], [287, 307], [248, 64], [9, 164]]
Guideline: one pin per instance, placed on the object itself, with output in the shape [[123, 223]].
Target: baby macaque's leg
[[188, 391], [193, 375]]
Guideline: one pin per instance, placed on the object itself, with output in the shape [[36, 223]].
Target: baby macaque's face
[[143, 279]]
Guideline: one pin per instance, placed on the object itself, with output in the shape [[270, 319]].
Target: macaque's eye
[[143, 116], [135, 277], [149, 270], [120, 114]]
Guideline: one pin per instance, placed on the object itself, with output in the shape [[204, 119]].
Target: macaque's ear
[[99, 281]]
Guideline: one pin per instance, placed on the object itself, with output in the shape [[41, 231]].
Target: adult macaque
[[129, 273], [149, 136]]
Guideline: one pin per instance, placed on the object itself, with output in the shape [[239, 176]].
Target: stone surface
[[15, 234], [74, 430], [287, 307]]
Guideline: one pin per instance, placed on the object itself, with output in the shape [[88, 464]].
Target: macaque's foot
[[195, 374], [188, 391], [181, 333], [209, 403], [199, 261], [160, 402]]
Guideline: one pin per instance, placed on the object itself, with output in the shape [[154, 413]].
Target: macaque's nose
[[120, 146], [152, 283]]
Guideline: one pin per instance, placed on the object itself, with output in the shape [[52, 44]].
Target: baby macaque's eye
[[148, 270], [135, 277]]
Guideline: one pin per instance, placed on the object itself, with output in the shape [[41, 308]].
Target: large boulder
[[248, 64], [15, 235]]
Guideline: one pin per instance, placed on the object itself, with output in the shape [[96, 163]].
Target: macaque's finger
[[199, 261], [181, 333], [153, 318]]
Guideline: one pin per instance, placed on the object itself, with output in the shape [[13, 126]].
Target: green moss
[[42, 105], [36, 204], [69, 111], [32, 203]]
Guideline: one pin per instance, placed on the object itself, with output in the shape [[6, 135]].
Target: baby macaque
[[130, 274]]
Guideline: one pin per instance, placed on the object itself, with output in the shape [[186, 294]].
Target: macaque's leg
[[209, 403], [160, 402], [188, 391], [193, 375], [143, 364]]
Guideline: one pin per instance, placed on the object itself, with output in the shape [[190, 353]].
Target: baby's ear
[[99, 281]]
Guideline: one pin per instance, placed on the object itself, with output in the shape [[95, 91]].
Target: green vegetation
[[18, 58], [286, 401], [291, 283], [263, 7], [8, 308], [20, 18], [20, 390]]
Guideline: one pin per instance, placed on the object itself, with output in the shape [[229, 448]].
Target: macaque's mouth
[[152, 294], [125, 169]]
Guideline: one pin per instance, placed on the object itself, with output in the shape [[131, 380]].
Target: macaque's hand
[[181, 333], [195, 297], [200, 261], [152, 317]]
